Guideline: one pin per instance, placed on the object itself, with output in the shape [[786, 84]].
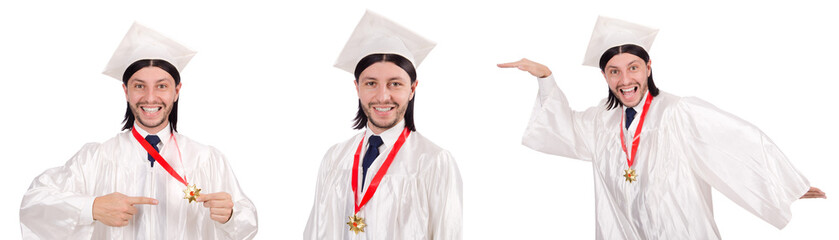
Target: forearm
[[554, 128], [48, 212]]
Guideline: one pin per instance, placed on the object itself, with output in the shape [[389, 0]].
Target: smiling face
[[151, 93], [384, 90], [627, 76]]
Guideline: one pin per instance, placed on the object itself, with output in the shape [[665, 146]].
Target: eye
[[633, 68], [613, 71], [139, 86], [161, 86], [395, 84]]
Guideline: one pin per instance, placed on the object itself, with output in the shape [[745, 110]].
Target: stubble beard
[[165, 110], [400, 113], [640, 95]]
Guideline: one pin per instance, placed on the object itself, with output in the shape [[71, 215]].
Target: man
[[656, 156], [142, 183], [387, 182]]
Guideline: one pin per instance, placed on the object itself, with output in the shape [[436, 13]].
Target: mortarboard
[[142, 42], [377, 34], [610, 32]]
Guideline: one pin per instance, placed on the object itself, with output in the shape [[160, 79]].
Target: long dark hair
[[128, 121], [360, 120], [633, 49]]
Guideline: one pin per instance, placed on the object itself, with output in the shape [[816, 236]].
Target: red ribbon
[[637, 137], [154, 154], [379, 174]]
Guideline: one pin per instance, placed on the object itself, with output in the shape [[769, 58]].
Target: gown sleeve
[[556, 129], [738, 160], [243, 223], [57, 204], [445, 198], [316, 227]]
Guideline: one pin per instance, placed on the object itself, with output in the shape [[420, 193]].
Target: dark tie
[[630, 115], [370, 156], [153, 140]]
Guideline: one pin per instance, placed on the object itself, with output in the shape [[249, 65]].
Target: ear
[[649, 68], [604, 76], [178, 91], [357, 90], [414, 88], [125, 89]]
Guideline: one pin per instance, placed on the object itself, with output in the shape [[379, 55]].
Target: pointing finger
[[213, 196], [142, 200]]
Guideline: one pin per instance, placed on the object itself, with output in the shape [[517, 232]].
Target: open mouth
[[629, 92], [383, 109], [151, 109]]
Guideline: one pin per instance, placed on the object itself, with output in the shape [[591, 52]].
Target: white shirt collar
[[389, 136], [639, 109], [163, 134]]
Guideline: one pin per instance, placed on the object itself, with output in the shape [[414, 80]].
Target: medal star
[[191, 192], [630, 175], [356, 224]]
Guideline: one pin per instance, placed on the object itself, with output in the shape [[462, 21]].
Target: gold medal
[[356, 224], [630, 175], [191, 192]]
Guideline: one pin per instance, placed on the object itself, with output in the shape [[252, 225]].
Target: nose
[[382, 93], [149, 94], [623, 77]]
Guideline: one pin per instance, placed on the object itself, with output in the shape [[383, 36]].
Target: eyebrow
[[144, 81], [630, 63], [389, 79]]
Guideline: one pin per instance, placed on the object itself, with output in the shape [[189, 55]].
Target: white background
[[263, 90]]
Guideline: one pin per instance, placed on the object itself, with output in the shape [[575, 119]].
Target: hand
[[814, 192], [220, 204], [116, 209], [534, 68]]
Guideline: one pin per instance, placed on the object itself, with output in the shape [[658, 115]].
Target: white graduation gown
[[420, 197], [58, 204], [687, 147]]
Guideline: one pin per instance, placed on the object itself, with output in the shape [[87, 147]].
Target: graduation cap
[[142, 42], [377, 34], [610, 32]]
